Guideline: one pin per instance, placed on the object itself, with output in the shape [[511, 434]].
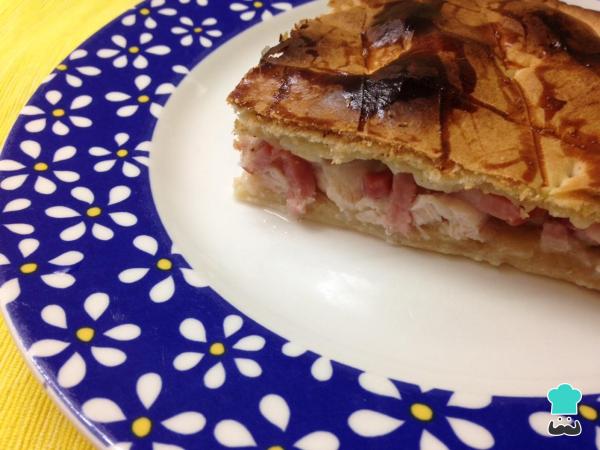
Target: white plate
[[407, 314]]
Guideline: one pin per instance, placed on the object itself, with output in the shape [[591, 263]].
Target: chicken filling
[[370, 192]]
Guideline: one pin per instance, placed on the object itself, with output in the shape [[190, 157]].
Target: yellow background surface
[[35, 35]]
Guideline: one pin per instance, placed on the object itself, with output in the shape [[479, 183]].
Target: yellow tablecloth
[[35, 35]]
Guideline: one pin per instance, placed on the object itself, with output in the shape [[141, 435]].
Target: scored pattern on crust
[[504, 93], [130, 339]]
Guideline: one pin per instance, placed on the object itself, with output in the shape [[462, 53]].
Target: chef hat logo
[[564, 399]]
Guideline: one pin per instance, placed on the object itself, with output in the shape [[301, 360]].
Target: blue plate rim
[[386, 397]]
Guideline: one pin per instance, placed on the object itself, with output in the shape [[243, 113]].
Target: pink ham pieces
[[395, 201]]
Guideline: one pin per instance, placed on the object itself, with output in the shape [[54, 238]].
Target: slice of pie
[[467, 127]]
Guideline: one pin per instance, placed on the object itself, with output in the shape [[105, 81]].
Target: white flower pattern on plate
[[198, 2], [250, 8], [164, 289], [53, 273], [372, 424], [72, 71], [148, 389], [137, 51], [275, 410], [45, 173], [143, 97], [82, 337], [146, 12], [190, 31], [90, 213], [321, 369], [13, 206], [130, 159], [219, 350], [57, 113], [180, 70]]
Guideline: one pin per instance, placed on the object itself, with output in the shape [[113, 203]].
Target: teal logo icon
[[564, 399]]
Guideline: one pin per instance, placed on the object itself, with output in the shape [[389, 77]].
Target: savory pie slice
[[468, 127]]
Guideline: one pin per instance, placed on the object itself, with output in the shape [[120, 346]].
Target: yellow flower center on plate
[[421, 411], [62, 67], [143, 99], [276, 447], [134, 49], [28, 268], [94, 211], [141, 427], [122, 153], [217, 349], [85, 334], [164, 264], [58, 112], [198, 30], [588, 412], [258, 4], [144, 11], [40, 167]]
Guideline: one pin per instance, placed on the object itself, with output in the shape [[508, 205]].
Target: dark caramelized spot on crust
[[398, 22], [564, 33], [373, 96]]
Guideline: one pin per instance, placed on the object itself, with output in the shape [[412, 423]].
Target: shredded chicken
[[457, 217]]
